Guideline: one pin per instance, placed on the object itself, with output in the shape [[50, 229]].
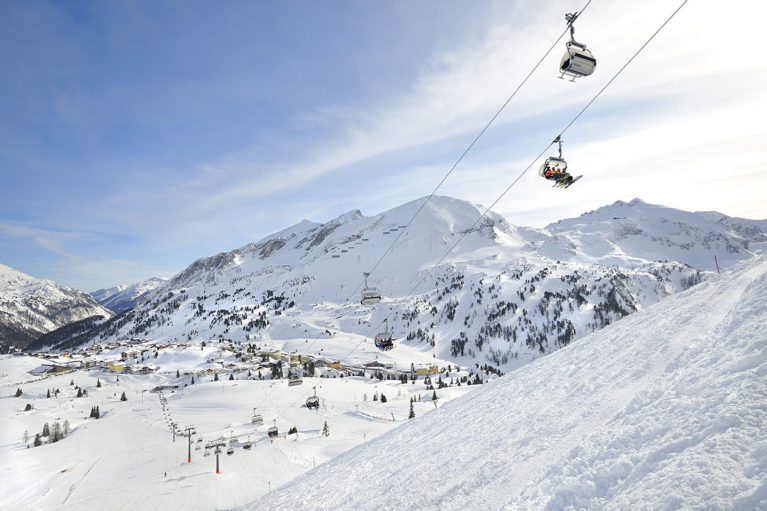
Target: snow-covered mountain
[[30, 307], [125, 296], [623, 233], [503, 297], [663, 410]]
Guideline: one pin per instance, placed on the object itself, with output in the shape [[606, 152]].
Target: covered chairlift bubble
[[370, 295], [384, 340], [577, 60], [272, 432], [313, 401]]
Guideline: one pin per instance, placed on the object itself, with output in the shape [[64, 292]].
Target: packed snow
[[665, 409]]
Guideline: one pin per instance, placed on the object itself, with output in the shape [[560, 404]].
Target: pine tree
[[326, 429], [46, 430], [97, 414], [383, 397], [49, 394], [28, 407], [231, 377], [98, 383], [37, 442], [215, 376], [434, 396], [72, 382], [178, 374], [192, 379], [79, 392], [123, 397], [18, 392], [411, 415], [56, 434]]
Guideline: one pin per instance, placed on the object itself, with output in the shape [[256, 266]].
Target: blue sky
[[138, 136]]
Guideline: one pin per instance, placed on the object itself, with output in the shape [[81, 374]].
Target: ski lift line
[[516, 180], [476, 139], [459, 160]]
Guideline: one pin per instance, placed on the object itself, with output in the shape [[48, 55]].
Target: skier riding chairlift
[[555, 168]]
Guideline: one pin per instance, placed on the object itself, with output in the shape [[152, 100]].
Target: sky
[[138, 136]]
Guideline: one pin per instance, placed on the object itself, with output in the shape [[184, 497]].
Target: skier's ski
[[568, 185]]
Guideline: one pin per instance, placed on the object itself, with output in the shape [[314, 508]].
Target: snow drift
[[662, 410]]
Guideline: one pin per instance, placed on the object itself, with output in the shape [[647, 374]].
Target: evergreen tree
[[97, 415], [18, 392], [72, 382], [293, 430], [79, 392], [231, 377], [375, 396], [383, 397], [37, 442], [56, 434], [215, 376], [123, 397], [411, 415], [192, 379], [49, 394], [46, 430], [434, 396], [98, 383], [28, 407], [326, 429], [177, 373]]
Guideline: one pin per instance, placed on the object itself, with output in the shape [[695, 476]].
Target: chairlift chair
[[577, 60], [383, 340], [256, 419], [555, 163], [295, 380], [272, 432], [370, 295], [230, 451], [313, 401]]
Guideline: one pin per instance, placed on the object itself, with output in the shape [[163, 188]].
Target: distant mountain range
[[31, 307], [124, 297], [503, 297]]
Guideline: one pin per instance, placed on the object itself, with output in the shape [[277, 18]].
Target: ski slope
[[127, 459], [665, 409]]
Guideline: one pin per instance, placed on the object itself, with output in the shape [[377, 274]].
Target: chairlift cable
[[516, 180]]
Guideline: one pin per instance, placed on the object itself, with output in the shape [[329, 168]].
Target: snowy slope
[[30, 307], [636, 232], [663, 410], [125, 296], [505, 296]]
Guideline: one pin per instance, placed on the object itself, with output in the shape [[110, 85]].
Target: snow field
[[120, 460], [663, 410]]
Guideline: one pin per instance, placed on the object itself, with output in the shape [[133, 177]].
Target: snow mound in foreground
[[665, 409]]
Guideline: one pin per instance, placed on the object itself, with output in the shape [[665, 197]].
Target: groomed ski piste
[[665, 409]]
